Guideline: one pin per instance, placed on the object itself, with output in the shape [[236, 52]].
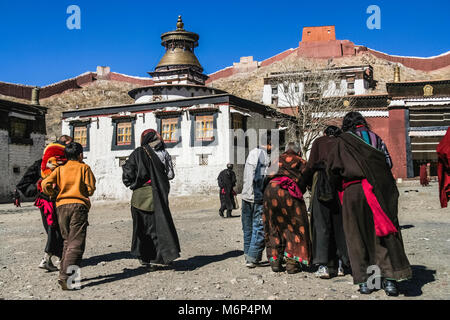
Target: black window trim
[[159, 118], [204, 143], [81, 123], [114, 122]]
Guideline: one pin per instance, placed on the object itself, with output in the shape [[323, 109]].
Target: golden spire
[[180, 23]]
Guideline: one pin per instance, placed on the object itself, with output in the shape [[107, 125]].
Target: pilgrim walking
[[227, 181], [328, 238], [359, 163], [147, 172], [285, 216]]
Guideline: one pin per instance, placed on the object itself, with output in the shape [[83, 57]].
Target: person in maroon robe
[[369, 200], [443, 169], [423, 175]]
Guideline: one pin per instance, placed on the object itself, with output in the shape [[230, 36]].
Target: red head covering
[[148, 136]]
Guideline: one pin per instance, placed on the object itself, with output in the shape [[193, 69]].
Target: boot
[[364, 289], [276, 266], [229, 214], [292, 266], [390, 287], [221, 214]]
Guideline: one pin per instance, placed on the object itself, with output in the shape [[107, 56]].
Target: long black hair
[[332, 131], [353, 119]]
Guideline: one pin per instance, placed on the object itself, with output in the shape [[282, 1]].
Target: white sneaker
[[323, 272], [50, 266], [250, 265], [341, 272], [42, 264]]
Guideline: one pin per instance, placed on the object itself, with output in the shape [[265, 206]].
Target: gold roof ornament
[[397, 73], [179, 46], [427, 90]]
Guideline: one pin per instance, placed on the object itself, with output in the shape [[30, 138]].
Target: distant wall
[[21, 91], [424, 64]]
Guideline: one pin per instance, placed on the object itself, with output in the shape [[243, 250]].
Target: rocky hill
[[247, 85]]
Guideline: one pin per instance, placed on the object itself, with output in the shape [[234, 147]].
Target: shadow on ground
[[179, 265], [201, 261], [92, 261], [421, 277]]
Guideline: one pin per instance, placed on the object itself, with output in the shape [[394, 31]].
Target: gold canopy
[[179, 46]]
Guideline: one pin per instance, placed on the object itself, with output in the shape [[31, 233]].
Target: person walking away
[[147, 172], [443, 169], [285, 215], [328, 238], [252, 201], [30, 185], [360, 164], [423, 175], [76, 183], [227, 181]]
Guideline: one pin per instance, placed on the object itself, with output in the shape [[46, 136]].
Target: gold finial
[[397, 73], [180, 23]]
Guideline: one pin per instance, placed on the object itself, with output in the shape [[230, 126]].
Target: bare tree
[[312, 92]]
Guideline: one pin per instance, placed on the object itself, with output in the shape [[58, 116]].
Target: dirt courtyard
[[211, 265]]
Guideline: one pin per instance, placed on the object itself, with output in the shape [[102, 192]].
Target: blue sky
[[37, 48]]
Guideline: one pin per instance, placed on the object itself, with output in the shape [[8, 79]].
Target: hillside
[[250, 85], [247, 85]]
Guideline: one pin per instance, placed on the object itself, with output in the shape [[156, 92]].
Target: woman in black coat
[[155, 240]]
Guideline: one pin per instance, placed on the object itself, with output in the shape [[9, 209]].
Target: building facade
[[22, 141], [198, 124], [285, 89]]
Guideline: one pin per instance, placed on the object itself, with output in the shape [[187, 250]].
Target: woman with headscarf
[[285, 217], [359, 165], [147, 172]]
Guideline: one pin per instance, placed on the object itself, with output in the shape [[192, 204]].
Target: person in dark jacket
[[146, 172], [328, 238], [227, 181]]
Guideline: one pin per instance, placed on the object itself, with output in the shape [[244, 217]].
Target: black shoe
[[390, 287], [276, 266], [221, 214], [364, 289]]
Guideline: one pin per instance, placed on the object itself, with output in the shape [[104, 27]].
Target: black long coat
[[227, 181], [138, 169]]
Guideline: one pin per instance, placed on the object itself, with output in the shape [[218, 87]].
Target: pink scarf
[[288, 184], [49, 210], [383, 225]]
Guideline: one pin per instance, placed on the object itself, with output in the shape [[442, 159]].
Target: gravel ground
[[211, 265]]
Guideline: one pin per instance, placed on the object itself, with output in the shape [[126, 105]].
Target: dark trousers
[[328, 234], [73, 222], [55, 242]]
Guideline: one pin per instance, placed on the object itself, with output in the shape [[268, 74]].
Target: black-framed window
[[123, 133], [20, 131], [80, 131], [204, 128], [169, 127]]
